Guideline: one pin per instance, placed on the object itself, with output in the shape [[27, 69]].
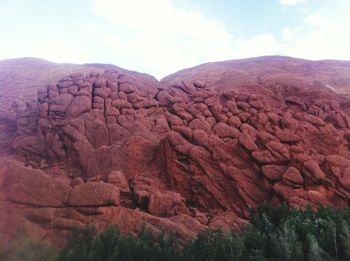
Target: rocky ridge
[[195, 150]]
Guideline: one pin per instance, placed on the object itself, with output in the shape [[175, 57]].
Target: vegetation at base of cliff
[[274, 233]]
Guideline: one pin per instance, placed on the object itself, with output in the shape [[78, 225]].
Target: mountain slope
[[195, 150]]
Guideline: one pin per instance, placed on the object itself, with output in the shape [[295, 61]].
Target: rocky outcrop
[[195, 150], [20, 80]]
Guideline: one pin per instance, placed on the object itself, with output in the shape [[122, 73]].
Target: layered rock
[[195, 150]]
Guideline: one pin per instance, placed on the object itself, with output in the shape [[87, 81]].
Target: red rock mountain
[[103, 145]]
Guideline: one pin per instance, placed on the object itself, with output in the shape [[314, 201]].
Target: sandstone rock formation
[[20, 80], [195, 150]]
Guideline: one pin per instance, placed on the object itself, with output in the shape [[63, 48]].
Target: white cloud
[[324, 36], [289, 34], [88, 27], [291, 2], [160, 38], [163, 37], [316, 19]]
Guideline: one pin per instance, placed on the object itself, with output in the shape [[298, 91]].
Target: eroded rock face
[[195, 150], [20, 80]]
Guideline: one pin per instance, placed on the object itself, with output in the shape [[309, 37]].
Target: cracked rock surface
[[194, 150]]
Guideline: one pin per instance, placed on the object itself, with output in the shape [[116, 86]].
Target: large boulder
[[93, 194], [27, 186]]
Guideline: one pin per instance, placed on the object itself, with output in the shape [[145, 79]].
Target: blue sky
[[162, 36]]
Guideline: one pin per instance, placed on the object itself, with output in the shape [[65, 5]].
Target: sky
[[160, 37]]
